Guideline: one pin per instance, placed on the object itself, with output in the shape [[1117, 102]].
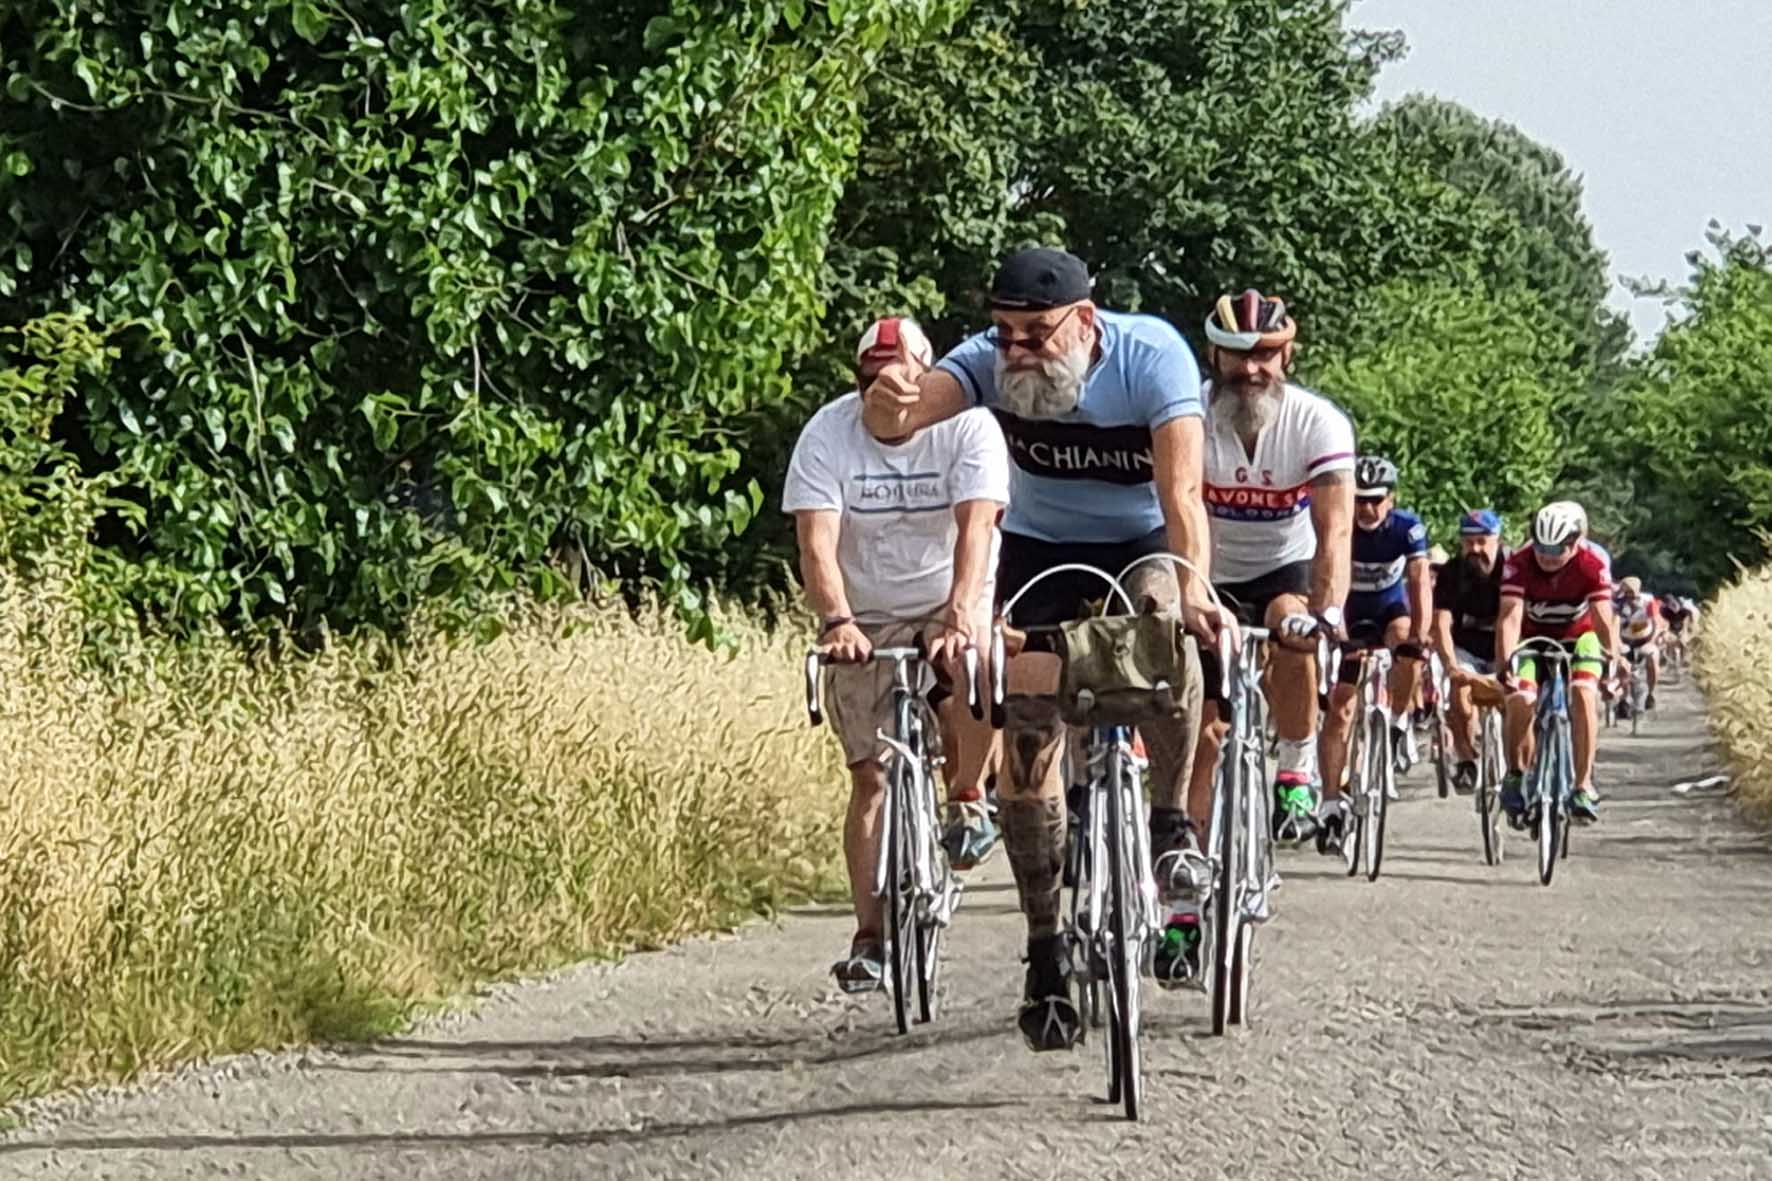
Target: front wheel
[[1372, 842], [1126, 1081], [1550, 838]]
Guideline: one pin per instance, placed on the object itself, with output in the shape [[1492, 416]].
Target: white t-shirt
[[896, 543], [1260, 505]]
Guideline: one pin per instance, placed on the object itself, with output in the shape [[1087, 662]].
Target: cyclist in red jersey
[[1560, 587]]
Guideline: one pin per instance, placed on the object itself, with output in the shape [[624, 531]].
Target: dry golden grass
[[206, 852], [1734, 655]]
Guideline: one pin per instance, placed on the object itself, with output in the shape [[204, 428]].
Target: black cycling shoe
[[1464, 777], [1649, 702], [1048, 1018]]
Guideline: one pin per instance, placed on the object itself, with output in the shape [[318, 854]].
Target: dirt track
[[1451, 1020]]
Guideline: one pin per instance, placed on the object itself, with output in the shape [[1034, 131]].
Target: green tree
[[1691, 436], [444, 289], [1461, 389], [1548, 245]]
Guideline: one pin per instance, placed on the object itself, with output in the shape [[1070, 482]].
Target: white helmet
[[1559, 523]]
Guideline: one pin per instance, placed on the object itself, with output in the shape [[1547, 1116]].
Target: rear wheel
[[1442, 756], [1242, 969]]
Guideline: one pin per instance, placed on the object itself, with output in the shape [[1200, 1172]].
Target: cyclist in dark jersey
[[1467, 598]]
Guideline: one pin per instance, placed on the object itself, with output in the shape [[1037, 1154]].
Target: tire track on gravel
[[1451, 1020]]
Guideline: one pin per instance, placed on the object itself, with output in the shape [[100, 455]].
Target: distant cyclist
[[1641, 625], [1560, 587], [1389, 606], [898, 538], [1467, 600], [1102, 413], [1680, 613], [1279, 485]]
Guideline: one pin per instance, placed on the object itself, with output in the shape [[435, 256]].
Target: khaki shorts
[[859, 696]]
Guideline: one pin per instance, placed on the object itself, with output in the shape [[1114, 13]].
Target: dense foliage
[[443, 290], [365, 304]]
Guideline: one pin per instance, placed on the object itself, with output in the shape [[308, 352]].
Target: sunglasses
[[1550, 551], [1033, 342]]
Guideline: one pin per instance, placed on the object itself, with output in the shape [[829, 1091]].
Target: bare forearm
[[972, 553], [1507, 635], [1443, 638], [1190, 537], [819, 572], [1332, 516], [1420, 599]]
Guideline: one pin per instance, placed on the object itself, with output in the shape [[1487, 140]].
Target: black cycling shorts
[[1066, 596], [1249, 600], [1365, 633]]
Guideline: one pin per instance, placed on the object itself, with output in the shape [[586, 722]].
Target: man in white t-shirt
[[898, 536], [1279, 491]]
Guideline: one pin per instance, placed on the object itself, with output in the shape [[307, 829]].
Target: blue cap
[[1479, 523]]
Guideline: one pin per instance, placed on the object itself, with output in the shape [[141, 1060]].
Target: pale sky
[[1664, 107]]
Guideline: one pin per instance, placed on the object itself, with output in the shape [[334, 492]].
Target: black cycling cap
[[1039, 279]]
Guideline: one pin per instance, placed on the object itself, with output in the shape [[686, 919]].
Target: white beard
[[1254, 410], [1050, 390]]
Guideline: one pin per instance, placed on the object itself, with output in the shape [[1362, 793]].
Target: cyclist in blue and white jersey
[[1389, 604]]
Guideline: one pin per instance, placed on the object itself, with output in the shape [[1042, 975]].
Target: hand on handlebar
[[955, 632], [1209, 622], [846, 644]]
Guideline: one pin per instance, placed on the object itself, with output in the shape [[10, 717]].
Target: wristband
[[831, 625]]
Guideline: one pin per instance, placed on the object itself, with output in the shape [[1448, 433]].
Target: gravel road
[[1450, 1021]]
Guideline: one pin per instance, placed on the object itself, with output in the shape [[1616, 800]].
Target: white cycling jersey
[[1260, 504]]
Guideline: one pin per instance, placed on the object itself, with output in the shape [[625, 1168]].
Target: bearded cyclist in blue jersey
[[1102, 413], [1389, 605]]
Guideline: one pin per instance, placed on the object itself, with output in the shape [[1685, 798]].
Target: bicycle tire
[[1372, 852], [929, 933], [1550, 803], [901, 919], [1123, 976], [1489, 763], [1226, 915], [1242, 970], [1442, 757], [1352, 832]]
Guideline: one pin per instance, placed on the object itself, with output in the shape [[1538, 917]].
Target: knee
[[867, 782]]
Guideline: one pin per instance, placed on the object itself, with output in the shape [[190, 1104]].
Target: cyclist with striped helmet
[[1279, 492], [1560, 586]]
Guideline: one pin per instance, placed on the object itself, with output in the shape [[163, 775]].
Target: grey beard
[[1049, 391], [1254, 410]]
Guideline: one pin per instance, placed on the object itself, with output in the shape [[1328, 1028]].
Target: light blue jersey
[[1087, 476]]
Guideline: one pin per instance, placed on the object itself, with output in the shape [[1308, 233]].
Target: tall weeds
[[203, 851], [1735, 667]]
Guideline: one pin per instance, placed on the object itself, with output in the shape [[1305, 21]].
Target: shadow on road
[[964, 1109], [648, 1057]]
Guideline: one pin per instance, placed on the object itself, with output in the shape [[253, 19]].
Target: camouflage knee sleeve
[[1033, 830]]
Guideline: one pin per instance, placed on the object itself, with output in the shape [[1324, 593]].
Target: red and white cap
[[881, 343]]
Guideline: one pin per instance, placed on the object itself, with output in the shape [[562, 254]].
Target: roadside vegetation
[[348, 350], [205, 851], [1732, 658]]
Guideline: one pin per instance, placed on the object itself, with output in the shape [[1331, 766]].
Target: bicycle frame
[[1372, 772], [910, 872], [1553, 759]]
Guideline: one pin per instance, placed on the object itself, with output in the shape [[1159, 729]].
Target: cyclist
[[896, 527], [1279, 489], [1102, 413], [1679, 612], [1559, 586], [1389, 606], [1641, 624], [1467, 598]]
